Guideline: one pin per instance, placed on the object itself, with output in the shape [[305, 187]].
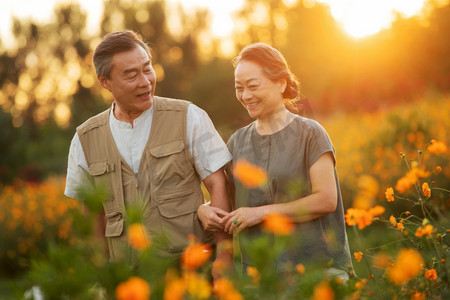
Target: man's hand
[[211, 217]]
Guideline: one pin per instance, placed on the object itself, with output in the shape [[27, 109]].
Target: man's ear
[[104, 82]]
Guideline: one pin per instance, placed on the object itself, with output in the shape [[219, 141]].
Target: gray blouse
[[287, 156]]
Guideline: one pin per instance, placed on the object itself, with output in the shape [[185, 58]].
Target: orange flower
[[134, 288], [278, 224], [358, 255], [427, 230], [138, 237], [418, 296], [224, 290], [249, 175], [359, 217], [300, 269], [400, 226], [254, 274], [403, 184], [381, 260], [437, 147], [410, 179], [361, 284], [431, 274], [408, 264], [389, 194], [393, 221], [439, 169], [323, 291], [376, 211], [195, 255], [426, 190], [175, 290]]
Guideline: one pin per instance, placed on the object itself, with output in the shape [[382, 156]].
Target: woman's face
[[258, 94]]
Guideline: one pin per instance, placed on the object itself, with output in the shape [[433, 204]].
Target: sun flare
[[361, 18]]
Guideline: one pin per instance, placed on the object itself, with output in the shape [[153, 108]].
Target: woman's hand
[[211, 217], [242, 218]]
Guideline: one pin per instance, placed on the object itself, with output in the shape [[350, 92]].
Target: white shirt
[[204, 144]]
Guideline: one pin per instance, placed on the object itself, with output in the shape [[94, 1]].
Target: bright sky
[[358, 17]]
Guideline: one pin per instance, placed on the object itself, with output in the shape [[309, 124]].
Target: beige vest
[[167, 186]]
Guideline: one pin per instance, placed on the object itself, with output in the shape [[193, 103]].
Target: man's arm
[[217, 188]]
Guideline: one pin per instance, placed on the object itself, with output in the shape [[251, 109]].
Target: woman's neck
[[274, 122]]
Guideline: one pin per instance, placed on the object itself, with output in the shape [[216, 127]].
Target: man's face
[[132, 81]]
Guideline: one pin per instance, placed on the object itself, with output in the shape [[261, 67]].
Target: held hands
[[216, 219], [242, 218]]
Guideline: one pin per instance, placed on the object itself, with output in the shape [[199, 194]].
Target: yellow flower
[[134, 288], [138, 237], [278, 224], [249, 175], [195, 255], [427, 230], [175, 290], [437, 147], [431, 274], [197, 286], [224, 289], [323, 291], [254, 274], [300, 269], [390, 194], [408, 264], [400, 226], [358, 256], [426, 190]]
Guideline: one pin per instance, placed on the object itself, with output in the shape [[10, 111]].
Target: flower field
[[394, 171]]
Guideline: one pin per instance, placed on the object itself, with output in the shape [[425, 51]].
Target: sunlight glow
[[365, 17]]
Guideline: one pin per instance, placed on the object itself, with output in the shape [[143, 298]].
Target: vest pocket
[[101, 173], [179, 219], [114, 224], [170, 163]]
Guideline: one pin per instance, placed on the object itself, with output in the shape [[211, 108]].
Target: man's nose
[[144, 80]]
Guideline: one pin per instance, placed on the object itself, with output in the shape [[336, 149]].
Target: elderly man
[[152, 151]]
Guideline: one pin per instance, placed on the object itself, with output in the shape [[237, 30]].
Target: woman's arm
[[323, 200]]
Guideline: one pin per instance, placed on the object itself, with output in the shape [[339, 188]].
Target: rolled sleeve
[[76, 169], [206, 146]]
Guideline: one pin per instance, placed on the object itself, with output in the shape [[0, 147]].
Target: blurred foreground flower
[[195, 255], [197, 286], [225, 290], [278, 224], [254, 274], [408, 265], [323, 291], [249, 175], [138, 237], [134, 288], [300, 269], [437, 147]]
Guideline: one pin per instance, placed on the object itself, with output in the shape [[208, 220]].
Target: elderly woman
[[299, 159]]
